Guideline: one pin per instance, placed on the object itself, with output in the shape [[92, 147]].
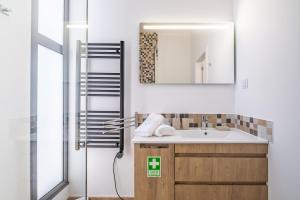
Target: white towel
[[165, 130], [147, 128]]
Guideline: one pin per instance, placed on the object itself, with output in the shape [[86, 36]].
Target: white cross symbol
[[154, 163]]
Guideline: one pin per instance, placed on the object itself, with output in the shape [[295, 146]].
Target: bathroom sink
[[203, 133], [199, 136]]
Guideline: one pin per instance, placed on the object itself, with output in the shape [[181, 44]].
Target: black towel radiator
[[100, 128]]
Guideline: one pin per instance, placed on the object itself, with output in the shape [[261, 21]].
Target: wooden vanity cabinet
[[161, 188], [203, 172], [221, 172], [221, 192]]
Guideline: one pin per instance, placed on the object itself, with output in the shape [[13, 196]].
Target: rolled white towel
[[147, 128], [165, 130]]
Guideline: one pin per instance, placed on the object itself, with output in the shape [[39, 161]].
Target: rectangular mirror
[[187, 53]]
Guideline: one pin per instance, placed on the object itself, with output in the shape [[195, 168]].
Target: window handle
[[4, 10]]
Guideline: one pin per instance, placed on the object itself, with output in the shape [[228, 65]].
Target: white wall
[[268, 46], [15, 36], [119, 20]]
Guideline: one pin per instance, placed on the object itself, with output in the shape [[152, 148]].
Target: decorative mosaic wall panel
[[186, 121], [148, 51], [254, 126]]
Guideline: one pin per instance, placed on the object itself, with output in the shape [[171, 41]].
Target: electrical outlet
[[244, 84]]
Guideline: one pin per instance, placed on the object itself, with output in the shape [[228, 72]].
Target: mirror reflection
[[187, 53]]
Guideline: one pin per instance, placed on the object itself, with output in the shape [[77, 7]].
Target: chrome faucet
[[204, 122]]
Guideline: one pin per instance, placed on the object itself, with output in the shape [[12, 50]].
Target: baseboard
[[103, 198]]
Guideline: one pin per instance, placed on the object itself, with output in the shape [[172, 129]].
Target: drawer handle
[[154, 146]]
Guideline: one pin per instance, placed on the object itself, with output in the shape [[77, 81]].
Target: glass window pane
[[51, 19], [49, 120]]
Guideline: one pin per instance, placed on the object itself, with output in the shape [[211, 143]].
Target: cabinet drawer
[[221, 170], [222, 148], [221, 192], [161, 188]]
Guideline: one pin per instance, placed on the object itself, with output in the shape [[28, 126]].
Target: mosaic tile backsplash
[[148, 53], [258, 127]]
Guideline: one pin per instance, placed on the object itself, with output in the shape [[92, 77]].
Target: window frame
[[39, 39]]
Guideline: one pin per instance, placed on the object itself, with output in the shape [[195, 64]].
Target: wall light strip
[[185, 26]]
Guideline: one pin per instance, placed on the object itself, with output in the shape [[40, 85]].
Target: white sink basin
[[198, 136], [203, 133]]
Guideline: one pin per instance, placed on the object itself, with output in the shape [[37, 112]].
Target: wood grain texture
[[251, 192], [218, 170], [221, 192], [101, 198], [154, 188], [222, 148]]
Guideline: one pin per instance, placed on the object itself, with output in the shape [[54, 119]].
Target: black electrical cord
[[116, 188]]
